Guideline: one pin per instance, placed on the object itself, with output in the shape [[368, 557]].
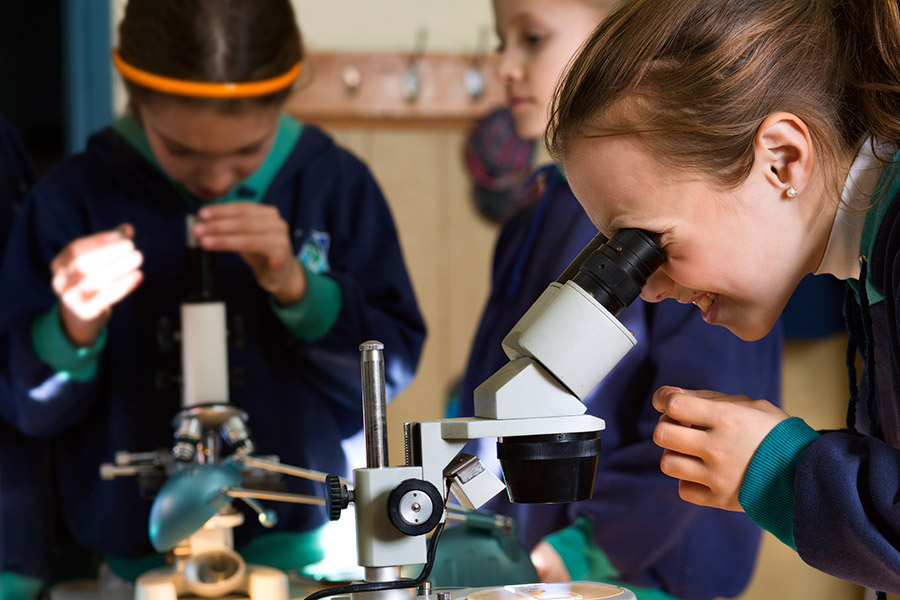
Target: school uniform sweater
[[299, 380], [835, 495], [23, 460], [635, 530]]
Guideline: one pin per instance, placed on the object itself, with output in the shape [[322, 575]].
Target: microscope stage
[[571, 590]]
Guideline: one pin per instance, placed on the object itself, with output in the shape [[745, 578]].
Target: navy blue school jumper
[[835, 495], [635, 530], [23, 460], [299, 366]]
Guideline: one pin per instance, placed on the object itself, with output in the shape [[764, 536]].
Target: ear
[[783, 148]]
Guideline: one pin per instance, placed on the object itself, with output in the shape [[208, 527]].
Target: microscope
[[548, 448], [200, 535]]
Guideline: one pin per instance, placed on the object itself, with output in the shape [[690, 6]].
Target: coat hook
[[351, 76], [412, 81], [473, 78]]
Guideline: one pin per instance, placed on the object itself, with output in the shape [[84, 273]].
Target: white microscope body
[[559, 351]]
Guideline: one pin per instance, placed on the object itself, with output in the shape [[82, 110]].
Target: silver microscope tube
[[374, 404]]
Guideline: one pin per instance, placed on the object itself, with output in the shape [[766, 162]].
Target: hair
[[212, 41], [702, 75]]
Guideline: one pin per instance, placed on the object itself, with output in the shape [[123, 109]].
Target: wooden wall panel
[[448, 249]]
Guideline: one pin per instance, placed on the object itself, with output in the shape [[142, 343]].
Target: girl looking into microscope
[[307, 257], [760, 140]]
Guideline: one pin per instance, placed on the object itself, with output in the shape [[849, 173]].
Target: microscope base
[[260, 583]]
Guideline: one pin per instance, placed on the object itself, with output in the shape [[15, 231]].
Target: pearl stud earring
[[791, 192]]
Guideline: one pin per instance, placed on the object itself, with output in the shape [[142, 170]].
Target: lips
[[517, 101]]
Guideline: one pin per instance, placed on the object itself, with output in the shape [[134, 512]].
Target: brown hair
[[700, 76], [210, 41]]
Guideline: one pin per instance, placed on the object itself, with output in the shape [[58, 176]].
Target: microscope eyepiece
[[617, 269], [566, 336]]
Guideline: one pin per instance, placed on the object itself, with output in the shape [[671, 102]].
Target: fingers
[[697, 493], [689, 408], [705, 478], [238, 217], [76, 255], [93, 269], [683, 466], [92, 306], [94, 272], [243, 227], [101, 276]]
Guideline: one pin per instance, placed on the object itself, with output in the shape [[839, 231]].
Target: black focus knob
[[415, 507], [337, 499]]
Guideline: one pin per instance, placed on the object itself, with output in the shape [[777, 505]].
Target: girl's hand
[[709, 439], [549, 565], [259, 234], [90, 275]]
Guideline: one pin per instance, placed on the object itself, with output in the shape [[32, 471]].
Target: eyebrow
[[245, 148]]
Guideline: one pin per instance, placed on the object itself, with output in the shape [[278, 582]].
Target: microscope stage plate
[[573, 590]]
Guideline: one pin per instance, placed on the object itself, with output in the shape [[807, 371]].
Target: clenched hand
[[92, 274], [709, 439]]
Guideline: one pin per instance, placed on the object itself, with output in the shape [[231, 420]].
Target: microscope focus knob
[[415, 507], [337, 499]]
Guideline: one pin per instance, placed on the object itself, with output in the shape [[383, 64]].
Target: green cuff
[[313, 317], [54, 348], [130, 569], [285, 550], [585, 560], [578, 550], [767, 494], [19, 587]]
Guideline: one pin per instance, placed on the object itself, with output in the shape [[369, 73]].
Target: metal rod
[[270, 465], [374, 410], [277, 496], [266, 518], [108, 471]]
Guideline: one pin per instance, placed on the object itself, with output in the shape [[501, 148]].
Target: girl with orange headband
[[307, 254]]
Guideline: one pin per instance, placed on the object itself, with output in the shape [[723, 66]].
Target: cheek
[[243, 167]]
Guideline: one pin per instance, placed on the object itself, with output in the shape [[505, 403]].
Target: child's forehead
[[207, 130]]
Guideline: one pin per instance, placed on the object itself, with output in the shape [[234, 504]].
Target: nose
[[216, 177], [658, 287], [509, 66]]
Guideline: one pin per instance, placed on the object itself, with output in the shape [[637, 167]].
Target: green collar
[[886, 191], [252, 189]]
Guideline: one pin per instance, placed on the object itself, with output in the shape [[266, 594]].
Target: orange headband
[[203, 89]]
